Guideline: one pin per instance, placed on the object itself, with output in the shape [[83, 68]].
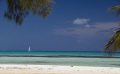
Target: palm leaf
[[114, 44], [115, 9]]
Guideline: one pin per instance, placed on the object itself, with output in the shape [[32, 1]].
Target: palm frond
[[114, 44], [115, 9]]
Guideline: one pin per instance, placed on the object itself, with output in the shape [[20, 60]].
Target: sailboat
[[29, 49]]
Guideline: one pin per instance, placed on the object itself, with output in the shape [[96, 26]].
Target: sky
[[73, 25]]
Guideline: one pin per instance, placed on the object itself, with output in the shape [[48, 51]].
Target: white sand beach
[[54, 69]]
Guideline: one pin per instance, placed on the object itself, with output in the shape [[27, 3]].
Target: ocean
[[70, 58]]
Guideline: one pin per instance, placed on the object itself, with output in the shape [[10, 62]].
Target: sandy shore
[[52, 69]]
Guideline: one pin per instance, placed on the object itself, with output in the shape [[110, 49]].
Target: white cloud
[[82, 41], [95, 29], [79, 41], [80, 21], [87, 25]]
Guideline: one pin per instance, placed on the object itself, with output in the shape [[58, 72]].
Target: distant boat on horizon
[[29, 49]]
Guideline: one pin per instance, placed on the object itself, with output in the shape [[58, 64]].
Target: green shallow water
[[69, 61], [101, 62]]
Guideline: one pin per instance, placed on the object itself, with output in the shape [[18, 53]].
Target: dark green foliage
[[19, 9], [114, 43], [115, 10]]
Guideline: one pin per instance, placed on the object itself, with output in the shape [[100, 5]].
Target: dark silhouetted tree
[[19, 9]]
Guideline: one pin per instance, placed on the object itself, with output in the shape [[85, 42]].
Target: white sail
[[29, 49]]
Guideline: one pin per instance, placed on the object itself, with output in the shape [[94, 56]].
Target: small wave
[[60, 56]]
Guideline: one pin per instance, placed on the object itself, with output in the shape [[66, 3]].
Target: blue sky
[[73, 25]]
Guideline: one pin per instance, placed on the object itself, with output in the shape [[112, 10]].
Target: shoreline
[[55, 69], [64, 56]]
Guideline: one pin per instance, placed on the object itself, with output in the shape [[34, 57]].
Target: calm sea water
[[60, 58]]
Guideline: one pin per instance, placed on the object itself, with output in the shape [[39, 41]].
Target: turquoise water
[[54, 53], [60, 58]]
